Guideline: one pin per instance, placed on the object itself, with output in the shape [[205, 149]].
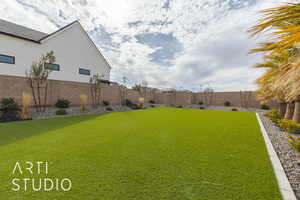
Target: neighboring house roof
[[21, 32], [25, 33]]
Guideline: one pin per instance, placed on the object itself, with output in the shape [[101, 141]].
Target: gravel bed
[[289, 159], [73, 111]]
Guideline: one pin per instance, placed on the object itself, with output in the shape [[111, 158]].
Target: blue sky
[[167, 43]]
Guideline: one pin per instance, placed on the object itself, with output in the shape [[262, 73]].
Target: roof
[[21, 32]]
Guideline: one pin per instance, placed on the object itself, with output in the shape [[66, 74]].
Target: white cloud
[[212, 33]]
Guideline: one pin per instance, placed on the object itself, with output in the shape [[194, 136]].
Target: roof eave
[[19, 37]]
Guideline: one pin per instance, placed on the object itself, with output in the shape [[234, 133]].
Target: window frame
[[13, 57], [52, 64], [84, 69]]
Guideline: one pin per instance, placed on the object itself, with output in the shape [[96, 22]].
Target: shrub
[[134, 106], [26, 100], [227, 103], [128, 102], [131, 105], [62, 103], [141, 102], [83, 102], [61, 112], [295, 143], [297, 131], [273, 115], [105, 103], [180, 106], [288, 125], [202, 108], [264, 107], [152, 101], [10, 109], [109, 109], [200, 103], [234, 109]]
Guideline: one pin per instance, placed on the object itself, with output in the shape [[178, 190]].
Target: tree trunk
[[45, 97], [282, 109], [296, 117], [289, 111]]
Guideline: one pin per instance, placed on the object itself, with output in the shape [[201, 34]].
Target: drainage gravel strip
[[289, 159]]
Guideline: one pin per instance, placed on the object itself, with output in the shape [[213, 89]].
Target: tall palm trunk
[[296, 117], [289, 111], [282, 109]]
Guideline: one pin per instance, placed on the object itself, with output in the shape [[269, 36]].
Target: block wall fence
[[11, 86]]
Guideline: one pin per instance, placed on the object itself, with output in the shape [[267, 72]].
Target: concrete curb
[[285, 188]]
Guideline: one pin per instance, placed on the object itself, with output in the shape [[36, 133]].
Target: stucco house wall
[[72, 48]]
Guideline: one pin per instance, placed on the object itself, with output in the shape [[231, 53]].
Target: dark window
[[84, 71], [53, 67], [7, 59]]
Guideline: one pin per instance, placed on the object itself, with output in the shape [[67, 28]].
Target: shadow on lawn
[[14, 131]]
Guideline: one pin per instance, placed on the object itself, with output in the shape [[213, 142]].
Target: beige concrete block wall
[[11, 86]]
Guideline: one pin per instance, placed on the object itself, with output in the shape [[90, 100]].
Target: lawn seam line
[[285, 188]]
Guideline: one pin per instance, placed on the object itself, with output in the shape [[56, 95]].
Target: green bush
[[131, 105], [273, 115], [202, 108], [10, 110], [61, 112], [288, 125], [234, 109], [128, 102], [200, 103], [297, 131], [295, 143], [227, 103], [105, 103], [62, 103], [152, 101], [109, 109], [264, 107], [180, 106]]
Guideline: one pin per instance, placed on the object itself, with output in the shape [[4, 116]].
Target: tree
[[38, 80], [208, 94], [283, 23], [123, 91], [268, 90], [141, 88], [95, 88]]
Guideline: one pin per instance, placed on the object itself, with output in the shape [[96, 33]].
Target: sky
[[180, 44]]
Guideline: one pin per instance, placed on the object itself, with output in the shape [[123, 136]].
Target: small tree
[[38, 80], [95, 88], [123, 91], [208, 94], [123, 94], [142, 90]]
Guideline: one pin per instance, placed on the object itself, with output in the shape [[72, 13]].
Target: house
[[77, 57]]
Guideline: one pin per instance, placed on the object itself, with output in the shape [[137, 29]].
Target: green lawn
[[162, 153]]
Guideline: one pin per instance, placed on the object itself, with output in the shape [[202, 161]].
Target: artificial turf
[[161, 153]]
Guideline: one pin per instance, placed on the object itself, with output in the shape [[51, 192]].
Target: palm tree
[[284, 22], [267, 90]]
